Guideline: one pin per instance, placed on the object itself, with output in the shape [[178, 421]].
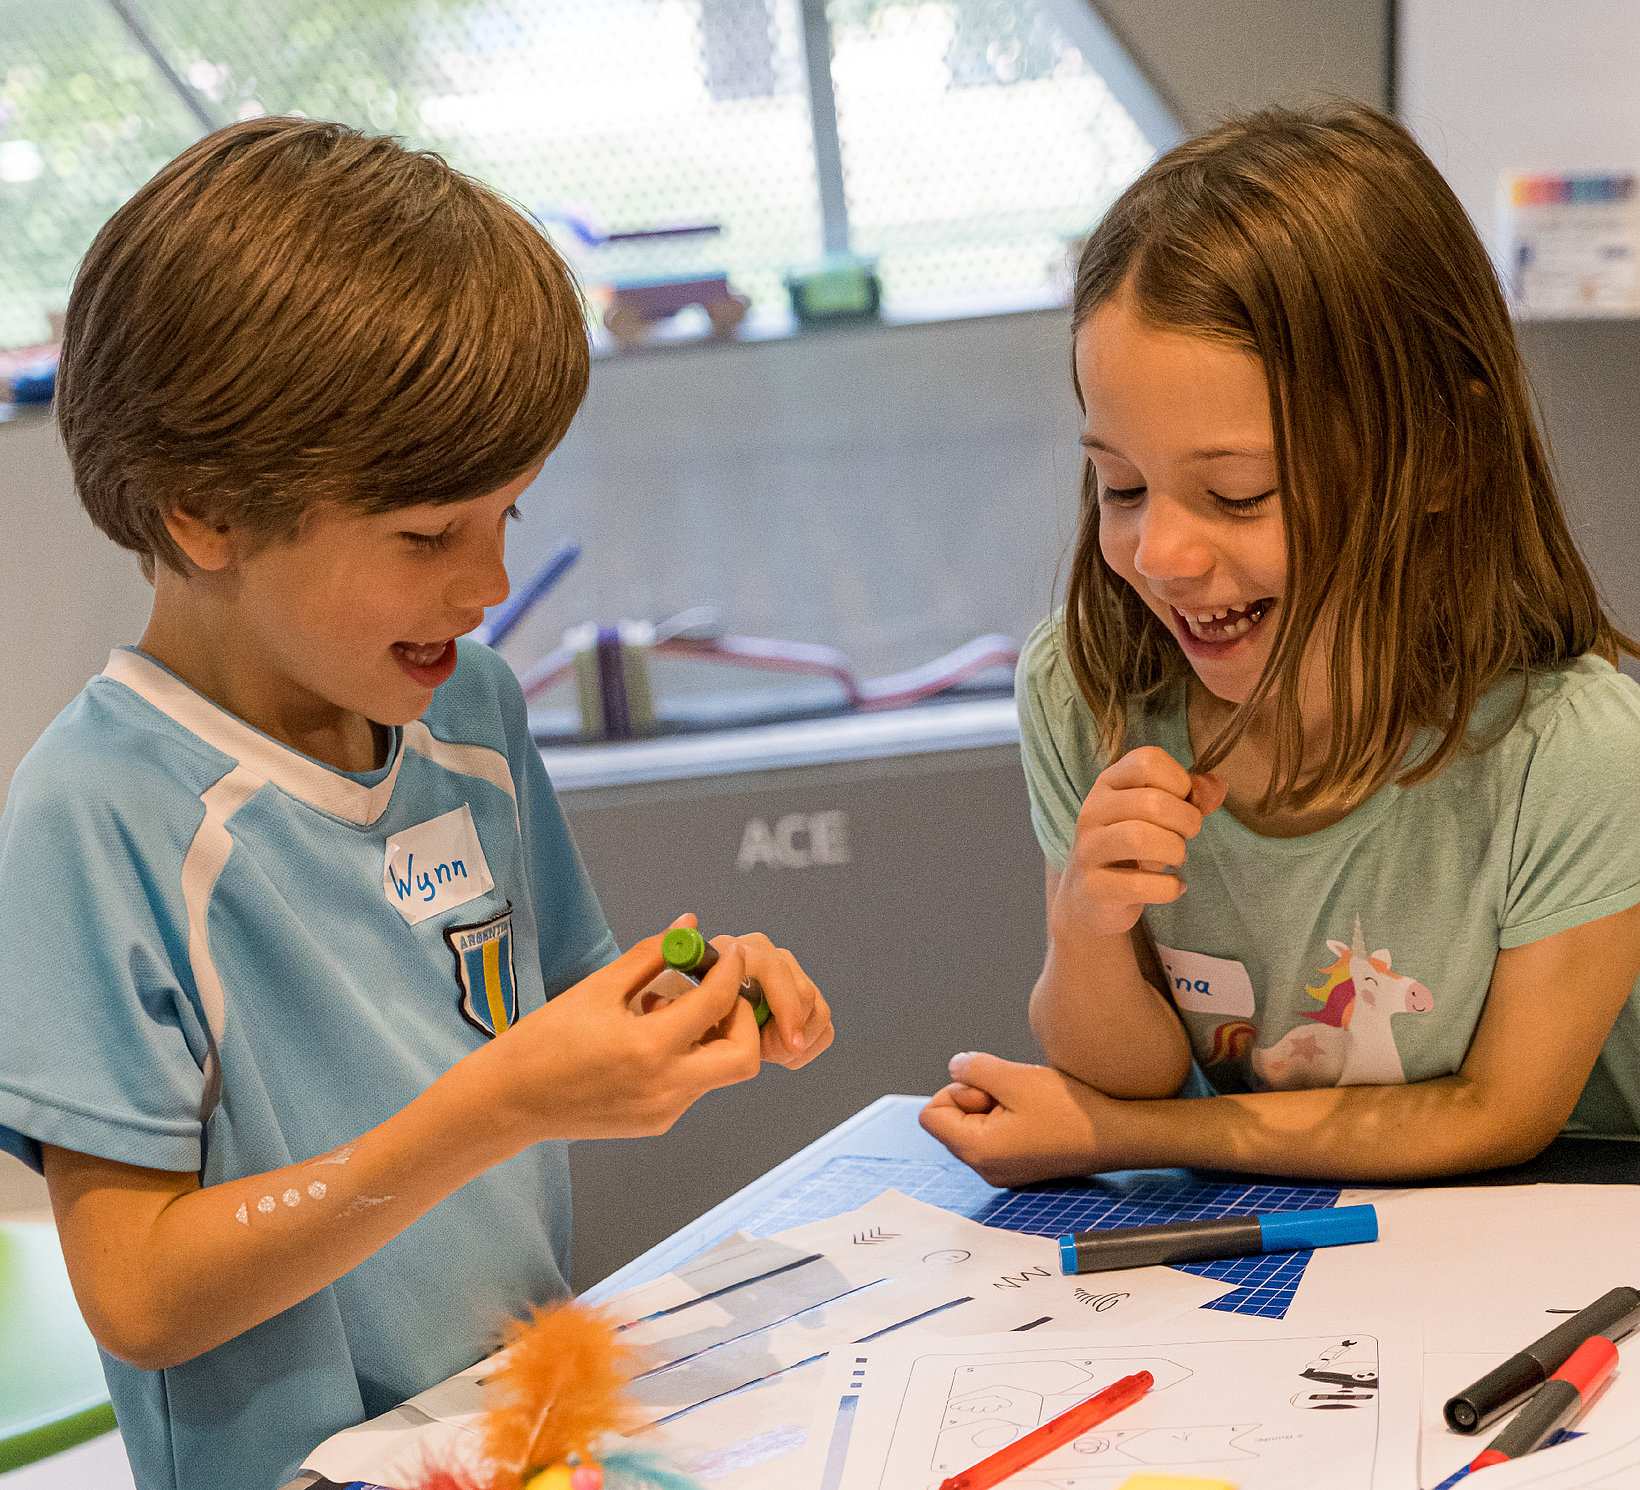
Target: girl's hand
[[799, 1024], [1130, 841], [1015, 1123]]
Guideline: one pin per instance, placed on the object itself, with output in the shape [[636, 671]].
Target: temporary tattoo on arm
[[316, 1190]]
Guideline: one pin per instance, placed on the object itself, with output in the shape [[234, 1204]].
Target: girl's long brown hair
[[1419, 505]]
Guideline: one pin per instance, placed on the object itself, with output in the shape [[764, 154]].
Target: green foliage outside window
[[976, 141]]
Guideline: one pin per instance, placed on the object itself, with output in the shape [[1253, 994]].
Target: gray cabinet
[[909, 885]]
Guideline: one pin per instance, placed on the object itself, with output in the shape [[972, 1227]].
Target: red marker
[[1556, 1404], [1051, 1435]]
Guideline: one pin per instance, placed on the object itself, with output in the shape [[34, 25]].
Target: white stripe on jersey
[[201, 866], [291, 772], [465, 760], [262, 760]]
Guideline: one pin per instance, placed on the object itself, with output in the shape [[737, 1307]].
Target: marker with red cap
[[1556, 1404]]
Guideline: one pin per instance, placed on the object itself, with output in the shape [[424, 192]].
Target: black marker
[[1212, 1241], [1613, 1314], [1557, 1404]]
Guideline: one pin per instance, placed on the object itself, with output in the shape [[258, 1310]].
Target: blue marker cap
[[1294, 1231], [1067, 1255]]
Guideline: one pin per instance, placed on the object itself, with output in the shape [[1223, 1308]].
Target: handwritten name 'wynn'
[[422, 883], [435, 866]]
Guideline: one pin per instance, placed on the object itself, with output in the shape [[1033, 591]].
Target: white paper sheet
[[1283, 1410], [1483, 1266], [895, 1264], [737, 1339], [1605, 1455], [1489, 1269]]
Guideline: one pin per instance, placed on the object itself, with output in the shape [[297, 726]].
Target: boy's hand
[[799, 1023], [1014, 1123], [586, 1066], [1130, 841]]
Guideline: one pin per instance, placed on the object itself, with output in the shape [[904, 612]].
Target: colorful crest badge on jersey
[[484, 968]]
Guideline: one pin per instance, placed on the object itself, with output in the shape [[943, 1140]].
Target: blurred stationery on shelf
[[1571, 243]]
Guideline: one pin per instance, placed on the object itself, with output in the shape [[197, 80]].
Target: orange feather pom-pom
[[557, 1389]]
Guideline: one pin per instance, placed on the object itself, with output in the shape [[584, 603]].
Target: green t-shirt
[[1362, 953]]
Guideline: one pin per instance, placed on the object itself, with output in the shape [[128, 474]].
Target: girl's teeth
[[1209, 625]]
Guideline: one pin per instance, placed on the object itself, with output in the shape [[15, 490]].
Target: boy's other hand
[[586, 1066], [799, 1023], [1014, 1123], [1131, 837]]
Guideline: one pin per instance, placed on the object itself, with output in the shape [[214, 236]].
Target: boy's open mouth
[[1223, 624], [429, 663]]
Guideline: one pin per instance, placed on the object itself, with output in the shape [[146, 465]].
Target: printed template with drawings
[[1548, 1250], [736, 1339], [1278, 1412], [757, 1308]]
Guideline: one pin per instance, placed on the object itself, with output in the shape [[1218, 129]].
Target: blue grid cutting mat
[[1265, 1284], [850, 1182]]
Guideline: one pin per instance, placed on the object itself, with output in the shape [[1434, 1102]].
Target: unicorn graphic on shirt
[[1348, 1040]]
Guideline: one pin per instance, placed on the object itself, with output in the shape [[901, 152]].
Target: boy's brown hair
[[292, 312], [1419, 506]]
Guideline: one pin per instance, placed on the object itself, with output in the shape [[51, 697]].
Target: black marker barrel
[[1613, 1314], [1149, 1246], [1212, 1241], [1557, 1404]]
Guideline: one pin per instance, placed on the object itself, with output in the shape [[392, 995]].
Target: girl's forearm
[[1099, 1019], [1419, 1131], [176, 1274]]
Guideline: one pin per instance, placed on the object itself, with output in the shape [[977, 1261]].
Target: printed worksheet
[[735, 1342], [1286, 1411], [1532, 1256], [752, 1309], [1602, 1452]]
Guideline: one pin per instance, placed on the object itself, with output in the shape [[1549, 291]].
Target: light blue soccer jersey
[[224, 956]]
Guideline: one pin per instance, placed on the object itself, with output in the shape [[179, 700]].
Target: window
[[961, 144]]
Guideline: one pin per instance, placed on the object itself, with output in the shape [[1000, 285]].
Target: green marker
[[686, 951]]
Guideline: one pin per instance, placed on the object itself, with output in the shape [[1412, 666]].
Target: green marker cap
[[682, 948]]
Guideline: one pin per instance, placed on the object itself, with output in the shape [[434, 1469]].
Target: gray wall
[[69, 594], [1210, 58], [1586, 375], [892, 493], [1519, 85], [926, 940], [1490, 86]]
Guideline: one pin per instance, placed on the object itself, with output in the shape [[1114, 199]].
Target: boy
[[289, 893]]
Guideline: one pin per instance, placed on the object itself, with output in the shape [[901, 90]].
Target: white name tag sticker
[[1207, 985], [435, 866]]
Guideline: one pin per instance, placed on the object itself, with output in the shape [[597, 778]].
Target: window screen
[[975, 136]]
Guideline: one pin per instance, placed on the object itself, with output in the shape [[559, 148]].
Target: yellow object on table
[[1172, 1482]]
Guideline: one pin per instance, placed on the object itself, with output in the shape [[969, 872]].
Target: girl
[[1326, 626]]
